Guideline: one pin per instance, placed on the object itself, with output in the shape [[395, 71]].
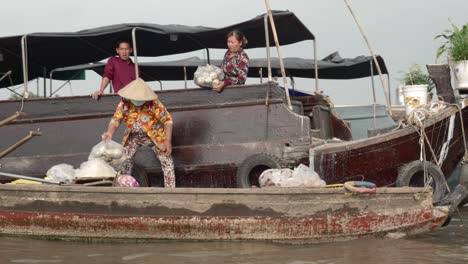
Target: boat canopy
[[47, 51], [331, 67]]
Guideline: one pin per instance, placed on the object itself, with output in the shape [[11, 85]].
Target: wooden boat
[[226, 139], [296, 215]]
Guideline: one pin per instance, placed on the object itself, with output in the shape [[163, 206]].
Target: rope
[[417, 118]]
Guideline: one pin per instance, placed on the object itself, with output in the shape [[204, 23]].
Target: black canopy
[[331, 67], [47, 51]]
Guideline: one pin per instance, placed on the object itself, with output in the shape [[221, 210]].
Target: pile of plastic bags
[[302, 176], [207, 76], [105, 159], [110, 151]]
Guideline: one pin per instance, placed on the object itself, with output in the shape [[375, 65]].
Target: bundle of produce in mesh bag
[[207, 76]]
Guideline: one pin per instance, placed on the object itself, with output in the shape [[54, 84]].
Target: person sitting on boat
[[119, 69], [236, 62], [148, 124]]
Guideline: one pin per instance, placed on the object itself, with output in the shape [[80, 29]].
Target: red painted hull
[[379, 159], [291, 214]]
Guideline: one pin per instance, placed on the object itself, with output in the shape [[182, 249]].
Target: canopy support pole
[[185, 77], [374, 99], [135, 54], [267, 44], [388, 87], [316, 67], [44, 71], [275, 36], [24, 57], [6, 74], [385, 90], [50, 82], [208, 55]]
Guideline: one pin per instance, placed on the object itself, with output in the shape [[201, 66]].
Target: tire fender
[[409, 170], [251, 168]]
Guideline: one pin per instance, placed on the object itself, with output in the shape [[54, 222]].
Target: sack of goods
[[302, 176], [109, 151], [63, 173], [207, 76], [95, 168]]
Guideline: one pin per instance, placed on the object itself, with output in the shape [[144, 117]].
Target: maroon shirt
[[119, 72]]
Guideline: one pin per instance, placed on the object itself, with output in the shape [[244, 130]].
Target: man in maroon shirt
[[120, 70]]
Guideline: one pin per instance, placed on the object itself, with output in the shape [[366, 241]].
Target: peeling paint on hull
[[299, 215]]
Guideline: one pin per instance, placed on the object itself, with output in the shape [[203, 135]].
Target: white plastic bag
[[274, 177], [307, 177], [61, 173], [95, 168], [109, 151], [206, 76], [302, 176]]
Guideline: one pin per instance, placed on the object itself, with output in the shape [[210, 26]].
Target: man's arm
[[105, 81], [106, 77]]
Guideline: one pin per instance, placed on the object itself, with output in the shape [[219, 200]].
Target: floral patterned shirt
[[152, 117], [235, 68]]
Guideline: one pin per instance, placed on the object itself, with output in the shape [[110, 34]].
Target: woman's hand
[[218, 87], [168, 145], [106, 136]]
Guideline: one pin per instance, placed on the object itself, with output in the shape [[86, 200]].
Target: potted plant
[[456, 49], [417, 87]]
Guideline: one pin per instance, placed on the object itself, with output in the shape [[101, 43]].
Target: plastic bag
[[307, 176], [302, 176], [61, 173], [95, 168], [206, 76], [127, 181], [274, 177], [109, 151]]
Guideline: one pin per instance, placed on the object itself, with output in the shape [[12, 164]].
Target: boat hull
[[378, 159], [274, 214]]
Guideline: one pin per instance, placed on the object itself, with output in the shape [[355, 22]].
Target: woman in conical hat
[[148, 124]]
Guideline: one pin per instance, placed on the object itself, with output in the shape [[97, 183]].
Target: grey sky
[[402, 31]]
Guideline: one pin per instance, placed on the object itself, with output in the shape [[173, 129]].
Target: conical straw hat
[[138, 90]]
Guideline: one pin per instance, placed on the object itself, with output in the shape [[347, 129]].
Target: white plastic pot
[[414, 95], [460, 72]]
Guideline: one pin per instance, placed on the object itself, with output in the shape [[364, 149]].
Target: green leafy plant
[[416, 76], [456, 43]]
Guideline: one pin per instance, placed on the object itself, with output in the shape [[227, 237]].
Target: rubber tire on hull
[[140, 176], [409, 170], [251, 168]]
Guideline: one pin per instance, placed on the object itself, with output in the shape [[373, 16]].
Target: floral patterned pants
[[136, 140]]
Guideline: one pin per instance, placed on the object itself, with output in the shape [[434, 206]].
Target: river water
[[446, 245]]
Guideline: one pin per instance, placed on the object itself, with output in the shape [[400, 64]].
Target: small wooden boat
[[298, 215]]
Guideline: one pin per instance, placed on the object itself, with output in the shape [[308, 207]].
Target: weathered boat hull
[[378, 159], [292, 214]]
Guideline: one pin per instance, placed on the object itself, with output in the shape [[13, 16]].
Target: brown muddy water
[[447, 245]]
